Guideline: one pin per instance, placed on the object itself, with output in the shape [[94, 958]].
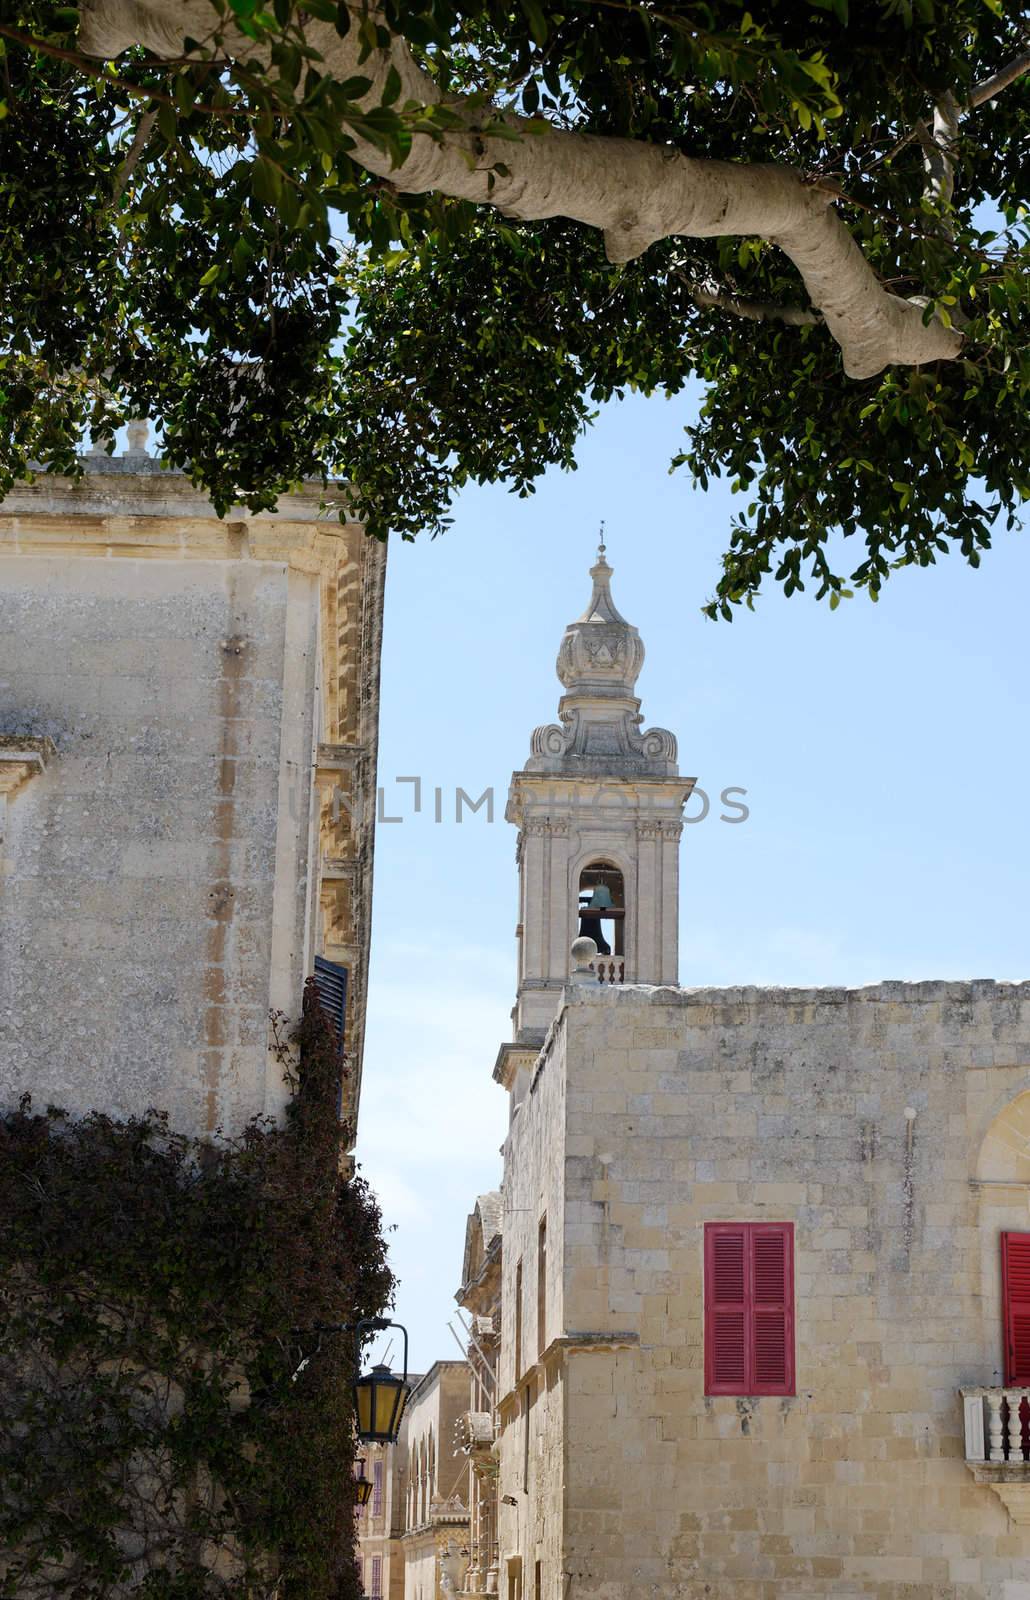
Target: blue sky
[[883, 749]]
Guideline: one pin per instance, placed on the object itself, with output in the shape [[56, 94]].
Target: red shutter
[[1015, 1280], [749, 1308], [726, 1330], [772, 1308]]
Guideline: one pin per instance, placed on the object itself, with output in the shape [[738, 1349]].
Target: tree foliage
[[198, 240], [174, 1426]]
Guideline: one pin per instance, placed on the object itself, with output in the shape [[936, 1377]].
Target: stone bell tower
[[598, 807]]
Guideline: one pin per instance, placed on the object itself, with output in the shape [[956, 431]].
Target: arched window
[[601, 907]]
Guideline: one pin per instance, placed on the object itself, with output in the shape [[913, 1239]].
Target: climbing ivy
[[174, 1426]]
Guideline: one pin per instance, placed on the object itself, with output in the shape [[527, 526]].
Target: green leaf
[[534, 15], [266, 181]]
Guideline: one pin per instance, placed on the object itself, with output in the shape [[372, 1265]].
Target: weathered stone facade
[[436, 1521], [480, 1298], [883, 1132], [179, 697], [380, 1523], [653, 1111]]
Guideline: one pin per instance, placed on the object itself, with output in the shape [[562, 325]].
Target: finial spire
[[601, 546]]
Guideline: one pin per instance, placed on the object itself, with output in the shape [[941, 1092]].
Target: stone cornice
[[592, 1340], [152, 513], [531, 795], [510, 1057]]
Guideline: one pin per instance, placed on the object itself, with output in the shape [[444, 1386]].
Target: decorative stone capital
[[538, 826]]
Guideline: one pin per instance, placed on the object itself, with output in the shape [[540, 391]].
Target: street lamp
[[380, 1396], [362, 1485]]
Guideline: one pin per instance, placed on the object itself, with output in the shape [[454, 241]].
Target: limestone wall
[[379, 1530], [683, 1107], [137, 911], [159, 865], [436, 1520]]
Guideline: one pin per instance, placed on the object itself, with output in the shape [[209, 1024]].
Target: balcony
[[997, 1432]]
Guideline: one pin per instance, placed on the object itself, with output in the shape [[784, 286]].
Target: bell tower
[[598, 807]]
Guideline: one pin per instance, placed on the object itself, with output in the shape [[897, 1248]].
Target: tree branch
[[999, 80], [634, 193], [938, 158], [144, 128], [755, 310], [939, 143]]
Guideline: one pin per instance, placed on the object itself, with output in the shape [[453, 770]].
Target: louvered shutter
[[726, 1310], [331, 983], [1015, 1278], [771, 1341]]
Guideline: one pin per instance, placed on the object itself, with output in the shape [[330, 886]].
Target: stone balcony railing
[[609, 969], [997, 1435]]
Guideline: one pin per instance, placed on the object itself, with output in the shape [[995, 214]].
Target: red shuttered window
[[749, 1307], [1015, 1294]]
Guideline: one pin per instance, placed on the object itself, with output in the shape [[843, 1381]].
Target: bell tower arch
[[598, 807]]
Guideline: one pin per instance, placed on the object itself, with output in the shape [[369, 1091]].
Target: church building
[[762, 1254], [189, 712]]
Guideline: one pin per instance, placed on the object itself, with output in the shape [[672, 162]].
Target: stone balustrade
[[997, 1424], [609, 969]]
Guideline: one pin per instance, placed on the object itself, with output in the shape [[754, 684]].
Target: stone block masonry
[[869, 1119], [176, 678]]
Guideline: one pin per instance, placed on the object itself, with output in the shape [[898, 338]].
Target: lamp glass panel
[[386, 1406], [363, 1391]]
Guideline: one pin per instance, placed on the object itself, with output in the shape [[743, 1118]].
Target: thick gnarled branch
[[634, 193]]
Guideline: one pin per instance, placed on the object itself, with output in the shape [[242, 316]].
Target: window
[[518, 1321], [377, 1489], [602, 899], [538, 1587], [376, 1590], [1015, 1297], [331, 983], [749, 1307], [541, 1287]]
